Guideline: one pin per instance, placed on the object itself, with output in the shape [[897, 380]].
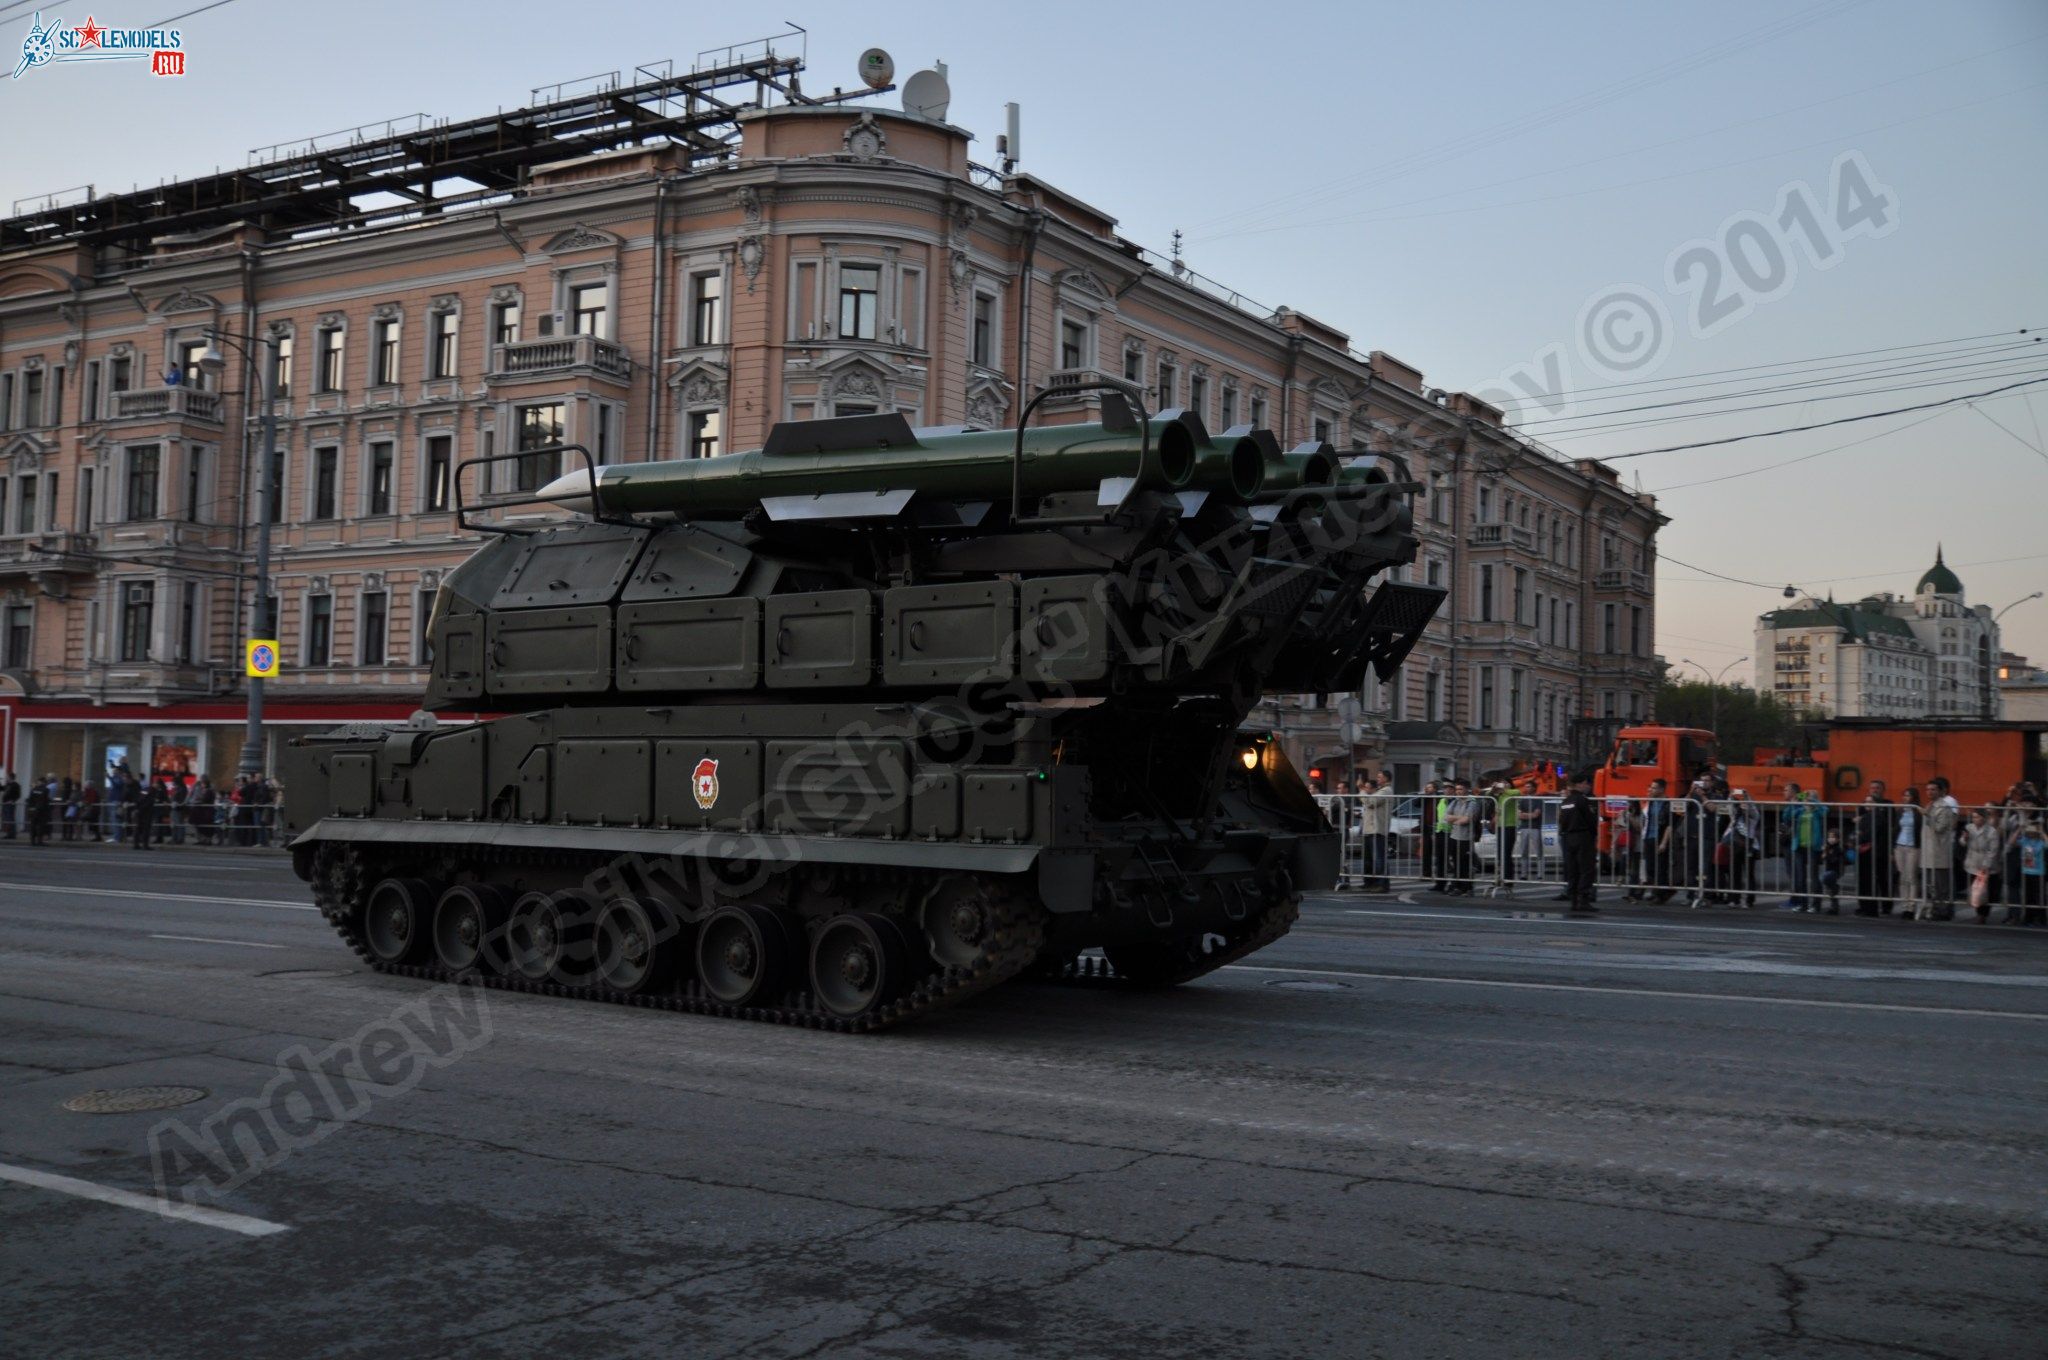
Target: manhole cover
[[130, 1099], [1309, 984]]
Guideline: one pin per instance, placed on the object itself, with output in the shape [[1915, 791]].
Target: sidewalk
[[273, 850], [1540, 899]]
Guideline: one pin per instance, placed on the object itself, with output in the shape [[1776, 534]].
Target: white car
[[1487, 846]]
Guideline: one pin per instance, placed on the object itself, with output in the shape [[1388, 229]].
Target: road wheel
[[743, 954], [958, 919], [395, 924], [636, 944], [542, 936], [466, 920], [859, 962]]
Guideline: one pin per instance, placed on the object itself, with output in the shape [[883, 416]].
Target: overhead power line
[[1823, 424]]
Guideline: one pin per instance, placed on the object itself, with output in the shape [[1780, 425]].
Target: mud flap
[[1066, 880], [1316, 861]]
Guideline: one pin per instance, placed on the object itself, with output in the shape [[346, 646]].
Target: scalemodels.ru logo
[[162, 48]]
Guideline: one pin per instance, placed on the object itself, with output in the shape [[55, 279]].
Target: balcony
[[561, 356], [1503, 536], [166, 403], [48, 556], [1617, 579], [1646, 667], [1069, 382]]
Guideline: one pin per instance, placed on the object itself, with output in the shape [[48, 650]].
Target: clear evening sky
[[1460, 185]]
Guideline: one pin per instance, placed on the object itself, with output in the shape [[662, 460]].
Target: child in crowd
[[1833, 857]]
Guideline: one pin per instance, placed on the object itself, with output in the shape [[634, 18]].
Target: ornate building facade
[[670, 295]]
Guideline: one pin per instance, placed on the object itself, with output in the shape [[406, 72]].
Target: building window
[[1521, 594], [143, 467], [589, 311], [32, 398], [1483, 714], [1169, 384], [326, 479], [25, 506], [1073, 344], [1514, 699], [860, 291], [1635, 630], [190, 373], [434, 477], [195, 484], [138, 612], [281, 368], [188, 622], [505, 323], [704, 434], [1433, 697], [984, 350], [1134, 366], [1322, 430], [1571, 623], [1485, 505], [327, 376], [1198, 395], [707, 308], [1607, 708], [319, 630], [276, 506], [384, 353], [1486, 594], [372, 625], [87, 478], [377, 499], [442, 342], [20, 618], [540, 427], [423, 625], [1607, 612], [1433, 572], [1229, 406]]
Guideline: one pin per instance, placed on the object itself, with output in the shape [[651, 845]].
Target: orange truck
[[1981, 760]]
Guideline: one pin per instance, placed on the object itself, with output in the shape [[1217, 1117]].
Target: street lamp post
[[1713, 688], [1989, 680], [211, 361]]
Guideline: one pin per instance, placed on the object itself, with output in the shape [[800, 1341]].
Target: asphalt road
[[1409, 1129]]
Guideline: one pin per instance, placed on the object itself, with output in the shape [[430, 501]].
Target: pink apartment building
[[652, 274]]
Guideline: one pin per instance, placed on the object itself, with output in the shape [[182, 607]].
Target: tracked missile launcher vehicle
[[855, 726]]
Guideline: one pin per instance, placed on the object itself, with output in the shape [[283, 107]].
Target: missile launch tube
[[974, 466]]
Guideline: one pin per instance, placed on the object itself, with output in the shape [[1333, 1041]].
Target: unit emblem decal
[[705, 783]]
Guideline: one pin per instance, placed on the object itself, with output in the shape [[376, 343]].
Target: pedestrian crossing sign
[[263, 659]]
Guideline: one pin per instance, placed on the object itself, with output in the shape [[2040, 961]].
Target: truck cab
[[1643, 755]]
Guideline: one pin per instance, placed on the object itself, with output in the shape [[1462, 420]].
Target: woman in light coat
[[1983, 856]]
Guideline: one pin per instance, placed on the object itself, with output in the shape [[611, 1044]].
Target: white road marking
[[128, 1199], [1639, 991], [208, 939], [160, 896]]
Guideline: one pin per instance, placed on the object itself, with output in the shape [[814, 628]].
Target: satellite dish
[[927, 95], [877, 68]]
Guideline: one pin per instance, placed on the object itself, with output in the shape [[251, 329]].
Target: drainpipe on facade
[[657, 370], [1035, 225], [1586, 622], [250, 322], [1287, 390], [1456, 599]]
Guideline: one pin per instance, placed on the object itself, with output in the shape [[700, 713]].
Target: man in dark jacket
[[1876, 829], [1578, 832], [142, 812]]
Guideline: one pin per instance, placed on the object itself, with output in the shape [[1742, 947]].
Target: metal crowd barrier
[[1732, 852], [220, 824]]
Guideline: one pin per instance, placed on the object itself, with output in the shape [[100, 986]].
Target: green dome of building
[[1939, 578]]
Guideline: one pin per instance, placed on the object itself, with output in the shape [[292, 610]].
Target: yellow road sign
[[263, 658]]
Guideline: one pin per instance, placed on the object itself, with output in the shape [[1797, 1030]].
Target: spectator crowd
[[143, 812], [1919, 855]]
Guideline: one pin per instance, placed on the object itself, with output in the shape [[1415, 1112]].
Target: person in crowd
[[1431, 829], [1653, 842], [199, 809], [89, 815], [1833, 860], [1983, 849], [1507, 820], [2032, 844], [1461, 828], [1800, 824], [1376, 823], [142, 813], [1938, 852], [1906, 854], [1692, 850], [1876, 828], [65, 808], [1743, 839], [1578, 835], [1529, 835], [37, 807], [2022, 805], [177, 797], [10, 803]]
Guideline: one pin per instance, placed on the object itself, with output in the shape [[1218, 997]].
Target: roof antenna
[[1179, 265]]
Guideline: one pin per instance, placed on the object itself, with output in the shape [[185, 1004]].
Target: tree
[[1741, 718]]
